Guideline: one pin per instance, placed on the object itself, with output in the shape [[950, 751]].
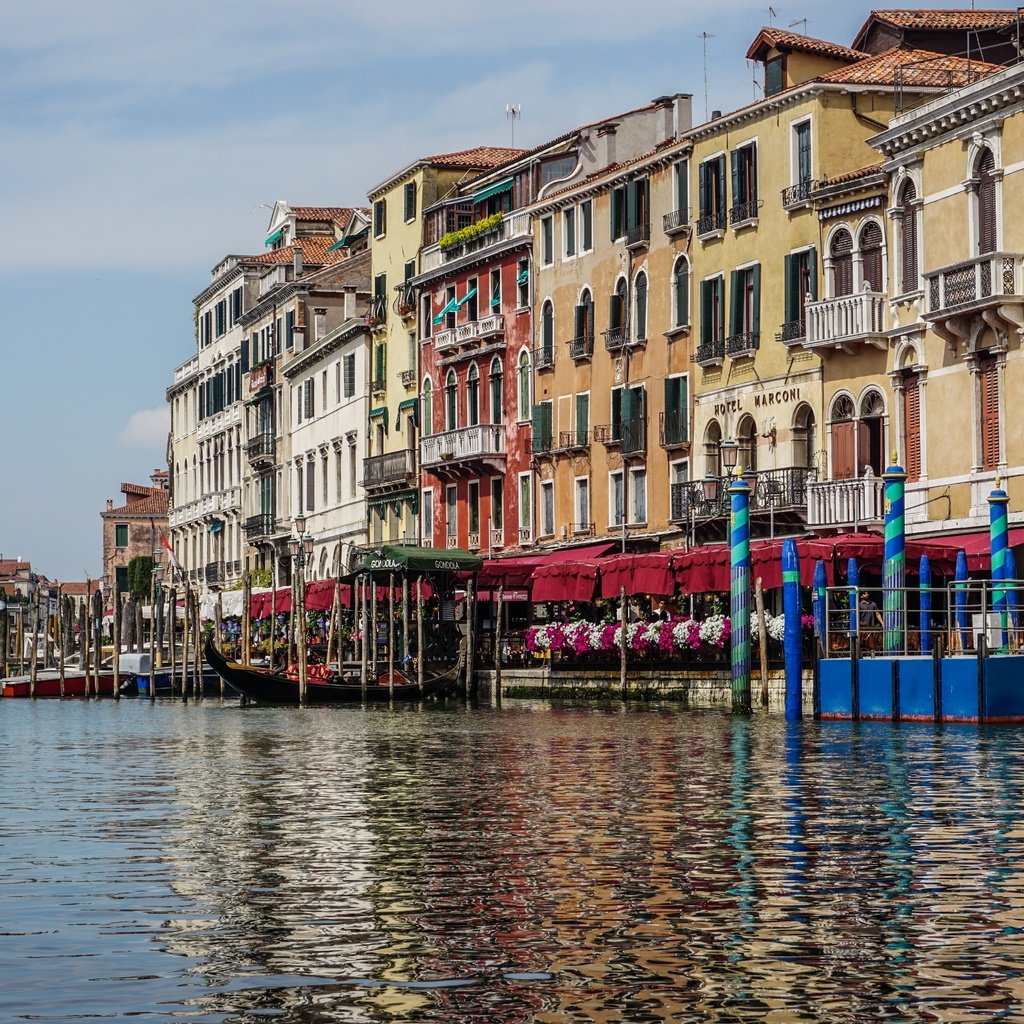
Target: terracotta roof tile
[[937, 18], [10, 567], [337, 214], [921, 68], [780, 39], [151, 502], [481, 156], [860, 172], [314, 252]]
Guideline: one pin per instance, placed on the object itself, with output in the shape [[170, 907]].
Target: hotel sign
[[772, 399], [259, 378]]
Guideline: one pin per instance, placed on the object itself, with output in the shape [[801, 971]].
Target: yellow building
[[391, 468], [956, 302]]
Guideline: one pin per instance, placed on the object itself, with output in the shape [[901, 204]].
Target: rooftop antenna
[[513, 111], [772, 15], [752, 64], [705, 36], [799, 21]]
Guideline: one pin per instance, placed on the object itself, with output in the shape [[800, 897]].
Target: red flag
[[172, 557]]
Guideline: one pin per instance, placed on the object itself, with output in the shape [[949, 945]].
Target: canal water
[[211, 863]]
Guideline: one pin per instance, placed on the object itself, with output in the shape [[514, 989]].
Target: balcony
[[843, 321], [615, 339], [674, 431], [490, 326], [710, 353], [215, 572], [455, 450], [581, 347], [525, 536], [741, 214], [378, 385], [574, 440], [390, 471], [710, 223], [992, 284], [497, 537], [262, 525], [782, 492], [544, 357], [676, 223], [638, 235], [451, 541], [473, 540], [629, 436], [261, 449], [799, 194], [846, 503], [378, 312], [540, 444], [745, 344], [792, 332], [443, 340]]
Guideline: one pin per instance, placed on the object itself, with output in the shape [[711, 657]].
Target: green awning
[[274, 237], [492, 190], [380, 411], [411, 405], [399, 558], [496, 301], [216, 526], [523, 277], [465, 298], [450, 308], [339, 244]]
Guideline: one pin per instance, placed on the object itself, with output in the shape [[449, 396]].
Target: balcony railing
[[544, 357], [389, 470], [846, 318], [451, 540], [525, 535], [497, 537], [262, 525], [473, 540], [629, 436], [214, 572], [614, 339], [983, 281], [743, 344], [792, 331], [834, 503], [799, 193], [540, 443], [444, 339], [581, 529], [581, 347], [569, 440], [676, 223], [637, 235], [772, 491], [488, 326], [453, 446], [378, 384], [740, 213], [675, 429], [710, 222], [712, 351], [261, 448]]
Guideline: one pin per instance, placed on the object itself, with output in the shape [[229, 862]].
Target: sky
[[141, 142]]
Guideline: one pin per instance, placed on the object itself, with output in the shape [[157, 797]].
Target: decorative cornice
[[325, 346]]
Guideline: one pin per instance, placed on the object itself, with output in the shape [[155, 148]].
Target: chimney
[[110, 504], [298, 260], [715, 115], [606, 145]]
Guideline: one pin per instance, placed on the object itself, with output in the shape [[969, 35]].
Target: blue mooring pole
[[853, 582], [820, 584], [792, 644], [960, 598], [925, 585]]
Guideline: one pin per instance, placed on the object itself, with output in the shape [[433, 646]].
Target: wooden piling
[[245, 654], [471, 640], [364, 629], [33, 666], [115, 638], [218, 632], [185, 621], [623, 641], [172, 615], [62, 631]]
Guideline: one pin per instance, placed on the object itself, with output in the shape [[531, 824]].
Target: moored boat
[[48, 684]]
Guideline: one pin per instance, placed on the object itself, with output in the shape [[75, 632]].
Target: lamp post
[[300, 548], [155, 651]]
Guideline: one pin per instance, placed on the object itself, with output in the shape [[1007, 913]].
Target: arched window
[[986, 203], [908, 238], [842, 430], [871, 435], [451, 390], [746, 436], [547, 331], [803, 438], [427, 407], [910, 396], [617, 311], [841, 253], [472, 396], [713, 449], [523, 386], [640, 307], [871, 255], [583, 334], [681, 292], [497, 391]]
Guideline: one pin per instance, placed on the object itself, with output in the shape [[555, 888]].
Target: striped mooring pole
[[894, 571], [998, 538], [739, 563], [791, 642]]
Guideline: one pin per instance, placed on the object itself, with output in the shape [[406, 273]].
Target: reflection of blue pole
[[998, 499], [1010, 569], [960, 597], [853, 580], [894, 571], [925, 585], [739, 561], [820, 584], [791, 645]]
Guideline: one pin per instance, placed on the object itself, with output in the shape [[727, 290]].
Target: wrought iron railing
[[581, 347], [792, 331], [711, 222], [261, 525], [614, 338], [569, 439], [543, 357], [638, 234], [711, 351], [741, 212], [676, 223], [742, 344], [390, 469], [798, 193], [261, 447], [675, 429]]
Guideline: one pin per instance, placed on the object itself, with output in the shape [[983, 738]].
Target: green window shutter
[[582, 414], [812, 272], [617, 212], [702, 188], [755, 312], [720, 185], [671, 396], [790, 274], [615, 311], [737, 191], [641, 307], [587, 216], [682, 185], [705, 311], [720, 291], [243, 355], [735, 303], [752, 183]]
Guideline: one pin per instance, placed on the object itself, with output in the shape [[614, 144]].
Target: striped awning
[[844, 208], [274, 237]]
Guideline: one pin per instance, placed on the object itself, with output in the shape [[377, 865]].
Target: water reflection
[[216, 864]]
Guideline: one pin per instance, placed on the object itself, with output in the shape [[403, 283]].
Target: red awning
[[260, 604], [565, 581], [706, 569], [978, 547], [516, 570], [639, 574]]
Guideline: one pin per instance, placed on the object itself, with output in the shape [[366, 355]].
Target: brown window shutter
[[871, 256], [842, 451], [909, 233], [841, 251], [912, 425], [986, 204], [988, 379]]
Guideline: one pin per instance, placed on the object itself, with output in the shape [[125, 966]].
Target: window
[[907, 218], [236, 306], [616, 499], [380, 297], [858, 442], [556, 167], [497, 503], [712, 317], [451, 509], [547, 243], [581, 504], [308, 398], [640, 307], [121, 535], [525, 506], [871, 435], [523, 284], [630, 211], [410, 201], [712, 195], [801, 282], [681, 292], [473, 507], [676, 423], [617, 212], [427, 517], [380, 360], [542, 426], [744, 184], [842, 432], [587, 225], [802, 152], [349, 363], [773, 76], [871, 256], [523, 386], [451, 390], [497, 391], [310, 485], [745, 310], [986, 204], [547, 332], [911, 410], [473, 396], [638, 495], [323, 478], [547, 508], [409, 272], [472, 299], [583, 334], [379, 218], [569, 231], [495, 290], [681, 184], [582, 417], [841, 253], [427, 407], [988, 394], [617, 311]]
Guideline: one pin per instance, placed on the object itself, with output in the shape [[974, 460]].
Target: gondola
[[265, 687]]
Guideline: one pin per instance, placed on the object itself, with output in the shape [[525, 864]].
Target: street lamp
[[300, 547], [730, 452]]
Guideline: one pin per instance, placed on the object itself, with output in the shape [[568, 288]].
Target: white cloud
[[147, 428]]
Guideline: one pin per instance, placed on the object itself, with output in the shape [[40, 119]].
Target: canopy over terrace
[[400, 558], [517, 571]]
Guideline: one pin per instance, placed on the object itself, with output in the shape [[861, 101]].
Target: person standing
[[870, 622]]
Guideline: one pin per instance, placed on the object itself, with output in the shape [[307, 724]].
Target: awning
[[411, 405], [465, 298], [450, 308], [565, 581], [402, 558], [493, 190], [380, 413], [274, 237], [977, 546], [523, 277], [339, 244], [216, 526], [516, 571], [639, 574]]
